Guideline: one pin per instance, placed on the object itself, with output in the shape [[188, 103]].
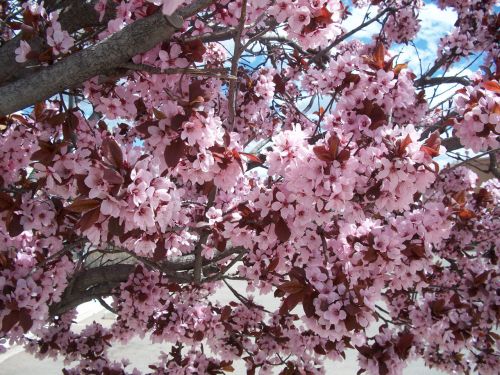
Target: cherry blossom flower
[[22, 51]]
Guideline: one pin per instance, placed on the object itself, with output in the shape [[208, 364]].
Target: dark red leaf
[[6, 201], [140, 107], [88, 219], [25, 320], [282, 231], [279, 84], [437, 307], [57, 119], [174, 152], [194, 50], [290, 302], [177, 121], [81, 205], [113, 152], [374, 192], [398, 68], [319, 349], [402, 146], [308, 303], [113, 177], [404, 344], [273, 264], [343, 155], [160, 251], [196, 91], [291, 287], [159, 114], [14, 225], [351, 323], [39, 109], [237, 157], [10, 320], [415, 251], [365, 351], [172, 287], [115, 228], [481, 279], [225, 313], [198, 335], [432, 144], [382, 367], [322, 153], [333, 145]]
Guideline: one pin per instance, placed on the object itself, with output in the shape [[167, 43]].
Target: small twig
[[319, 56], [106, 306], [221, 273], [243, 299], [198, 258], [472, 158]]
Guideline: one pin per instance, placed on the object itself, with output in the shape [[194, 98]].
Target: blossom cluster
[[479, 108], [310, 177]]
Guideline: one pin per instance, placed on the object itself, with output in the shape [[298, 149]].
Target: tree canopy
[[155, 152]]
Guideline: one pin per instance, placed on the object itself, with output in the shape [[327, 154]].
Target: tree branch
[[472, 158], [321, 54], [231, 95], [75, 15], [216, 73], [434, 81], [90, 284], [198, 257], [493, 167], [119, 48]]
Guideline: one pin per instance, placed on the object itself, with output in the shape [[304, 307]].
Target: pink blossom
[[168, 6], [58, 39], [300, 17], [95, 181], [144, 217], [22, 51]]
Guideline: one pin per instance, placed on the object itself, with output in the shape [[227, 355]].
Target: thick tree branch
[[75, 15], [100, 281], [493, 166], [90, 284], [119, 48]]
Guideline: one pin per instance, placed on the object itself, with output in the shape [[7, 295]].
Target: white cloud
[[357, 17]]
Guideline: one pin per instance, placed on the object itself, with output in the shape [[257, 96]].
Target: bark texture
[[105, 56]]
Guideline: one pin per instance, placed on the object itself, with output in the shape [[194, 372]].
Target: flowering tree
[[154, 151]]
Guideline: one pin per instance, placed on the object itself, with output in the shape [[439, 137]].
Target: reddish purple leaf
[[174, 152], [282, 231], [10, 320]]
